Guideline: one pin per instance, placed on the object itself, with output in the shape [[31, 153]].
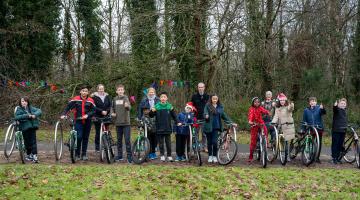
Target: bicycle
[[14, 139], [106, 142], [227, 146], [194, 143], [72, 140], [261, 145], [351, 150], [281, 145], [308, 145], [141, 146], [274, 143]]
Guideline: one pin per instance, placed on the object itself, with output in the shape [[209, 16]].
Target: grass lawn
[[173, 182], [47, 135]]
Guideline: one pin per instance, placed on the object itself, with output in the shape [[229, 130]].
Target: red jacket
[[81, 107], [256, 113]]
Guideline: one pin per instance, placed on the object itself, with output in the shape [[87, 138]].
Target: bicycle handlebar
[[311, 125]]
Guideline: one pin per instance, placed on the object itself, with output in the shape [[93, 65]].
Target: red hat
[[191, 106], [282, 97]]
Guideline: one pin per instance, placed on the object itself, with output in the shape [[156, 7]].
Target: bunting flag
[[162, 82], [132, 99], [24, 84]]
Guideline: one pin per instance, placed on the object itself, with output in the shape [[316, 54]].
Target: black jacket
[[164, 114], [101, 105], [339, 120], [81, 107], [199, 102]]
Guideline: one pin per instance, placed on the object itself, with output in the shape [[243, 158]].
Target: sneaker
[[183, 158], [339, 162], [150, 157], [77, 158], [178, 158], [29, 157], [154, 156], [215, 160], [85, 158], [170, 159], [119, 158], [35, 158], [333, 161], [210, 160], [162, 158], [129, 160]]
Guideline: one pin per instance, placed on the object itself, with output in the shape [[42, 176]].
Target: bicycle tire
[[308, 154], [197, 151], [58, 141], [9, 141], [109, 154], [282, 151], [357, 157], [101, 148], [228, 148], [21, 146], [273, 154], [263, 151], [72, 146], [140, 150]]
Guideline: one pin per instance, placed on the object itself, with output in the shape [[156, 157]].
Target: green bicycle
[[14, 139], [141, 146]]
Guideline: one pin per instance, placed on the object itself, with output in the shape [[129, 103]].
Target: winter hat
[[191, 106], [282, 97]]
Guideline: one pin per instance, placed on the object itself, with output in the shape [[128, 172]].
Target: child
[[313, 116], [183, 132], [121, 111], [283, 114], [102, 103], [213, 113], [338, 129], [164, 111], [143, 112], [28, 117], [84, 109], [269, 104], [255, 116]]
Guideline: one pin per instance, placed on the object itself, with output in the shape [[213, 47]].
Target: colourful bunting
[[132, 99]]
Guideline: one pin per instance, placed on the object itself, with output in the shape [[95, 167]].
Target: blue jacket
[[144, 104], [183, 118], [313, 116]]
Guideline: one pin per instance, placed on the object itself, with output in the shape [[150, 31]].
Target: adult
[[199, 101], [102, 105], [269, 104]]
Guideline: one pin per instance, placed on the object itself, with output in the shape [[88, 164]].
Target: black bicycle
[[261, 145], [106, 144], [307, 143], [193, 143], [227, 146], [351, 150]]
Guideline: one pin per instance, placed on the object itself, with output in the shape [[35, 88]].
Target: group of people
[[160, 114]]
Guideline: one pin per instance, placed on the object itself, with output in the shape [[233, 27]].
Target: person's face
[[120, 91], [188, 110], [84, 92], [201, 88], [342, 104], [268, 96], [257, 103], [163, 98], [24, 103], [151, 93], [214, 99], [282, 102], [313, 103], [101, 89]]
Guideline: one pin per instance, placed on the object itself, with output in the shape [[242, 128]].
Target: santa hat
[[282, 97], [191, 106]]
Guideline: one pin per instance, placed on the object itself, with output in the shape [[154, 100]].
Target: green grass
[[171, 182], [46, 135]]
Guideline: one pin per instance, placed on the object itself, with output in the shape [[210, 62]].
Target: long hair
[[212, 108], [27, 99]]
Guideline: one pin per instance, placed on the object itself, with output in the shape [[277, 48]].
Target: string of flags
[[26, 84], [171, 83]]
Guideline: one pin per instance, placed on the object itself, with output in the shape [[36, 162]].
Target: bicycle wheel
[[308, 152], [58, 141], [282, 150], [101, 147], [316, 141], [227, 150], [107, 146], [273, 153], [140, 149], [357, 156], [351, 152], [20, 145], [72, 146], [9, 143], [196, 149], [263, 151]]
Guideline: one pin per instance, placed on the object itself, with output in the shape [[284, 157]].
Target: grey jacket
[[122, 113]]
